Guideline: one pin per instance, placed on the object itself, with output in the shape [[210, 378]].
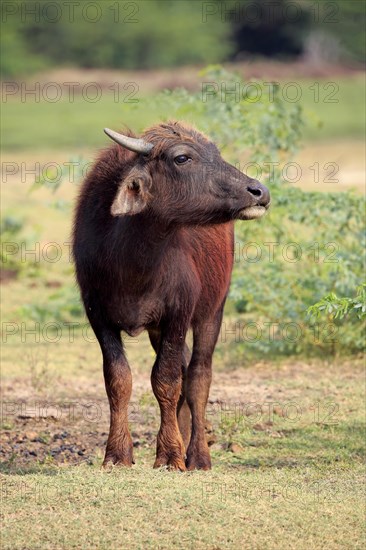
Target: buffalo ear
[[131, 198]]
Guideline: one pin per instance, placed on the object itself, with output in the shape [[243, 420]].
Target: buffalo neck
[[141, 242]]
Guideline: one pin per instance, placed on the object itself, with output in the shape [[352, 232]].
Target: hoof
[[198, 461], [198, 465], [114, 460], [171, 463]]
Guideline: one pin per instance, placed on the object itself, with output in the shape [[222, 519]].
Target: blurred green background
[[148, 34]]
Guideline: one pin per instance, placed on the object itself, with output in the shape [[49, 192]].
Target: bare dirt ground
[[69, 423]]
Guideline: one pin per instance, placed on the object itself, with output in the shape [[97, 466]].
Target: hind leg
[[183, 412], [118, 383]]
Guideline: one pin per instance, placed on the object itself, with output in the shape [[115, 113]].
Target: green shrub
[[61, 306], [14, 241], [310, 245]]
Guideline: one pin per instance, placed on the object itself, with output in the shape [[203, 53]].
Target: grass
[[326, 120], [138, 509], [28, 125], [291, 480]]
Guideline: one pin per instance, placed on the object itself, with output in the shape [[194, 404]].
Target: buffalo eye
[[182, 159]]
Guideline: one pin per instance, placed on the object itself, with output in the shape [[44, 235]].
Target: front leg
[[166, 380], [198, 386], [183, 412]]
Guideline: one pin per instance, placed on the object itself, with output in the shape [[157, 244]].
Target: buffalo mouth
[[252, 212]]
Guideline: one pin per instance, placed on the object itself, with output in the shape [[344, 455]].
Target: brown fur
[[153, 248]]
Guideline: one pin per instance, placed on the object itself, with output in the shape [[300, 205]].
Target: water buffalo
[[153, 248]]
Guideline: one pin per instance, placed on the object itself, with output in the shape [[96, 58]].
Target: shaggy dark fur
[[153, 247]]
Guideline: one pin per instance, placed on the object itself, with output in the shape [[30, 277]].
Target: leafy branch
[[338, 308]]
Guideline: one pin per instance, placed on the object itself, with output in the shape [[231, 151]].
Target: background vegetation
[[308, 246], [150, 33]]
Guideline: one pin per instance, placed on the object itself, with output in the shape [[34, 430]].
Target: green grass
[[339, 120], [138, 509], [288, 483], [65, 125]]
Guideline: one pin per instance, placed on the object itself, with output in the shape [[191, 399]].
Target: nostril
[[256, 191]]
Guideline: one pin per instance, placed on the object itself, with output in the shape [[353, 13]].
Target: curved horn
[[133, 144]]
